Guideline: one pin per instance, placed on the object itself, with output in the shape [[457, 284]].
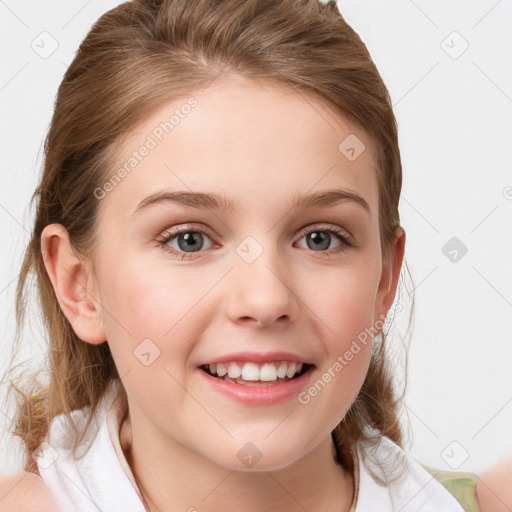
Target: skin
[[493, 487], [25, 492], [260, 146]]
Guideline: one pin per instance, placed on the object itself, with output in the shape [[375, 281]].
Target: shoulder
[[25, 492], [493, 488], [461, 485], [489, 491]]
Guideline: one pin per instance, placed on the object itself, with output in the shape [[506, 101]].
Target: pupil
[[190, 240], [320, 240]]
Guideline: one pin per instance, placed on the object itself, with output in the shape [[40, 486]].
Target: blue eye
[[321, 239], [188, 241], [184, 241]]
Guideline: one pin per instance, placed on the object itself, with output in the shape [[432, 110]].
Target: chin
[[251, 458]]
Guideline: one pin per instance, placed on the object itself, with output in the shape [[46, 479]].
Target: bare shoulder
[[25, 492], [494, 490]]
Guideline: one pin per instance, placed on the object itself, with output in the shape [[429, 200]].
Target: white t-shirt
[[98, 477]]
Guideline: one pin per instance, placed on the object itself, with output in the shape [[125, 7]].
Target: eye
[[320, 239], [183, 241]]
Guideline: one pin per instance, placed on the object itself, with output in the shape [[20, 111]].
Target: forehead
[[251, 141]]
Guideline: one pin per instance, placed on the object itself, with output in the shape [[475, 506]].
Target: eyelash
[[346, 240]]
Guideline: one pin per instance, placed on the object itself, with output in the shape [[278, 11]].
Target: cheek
[[345, 302], [150, 302], [138, 307], [344, 307], [135, 303], [348, 347]]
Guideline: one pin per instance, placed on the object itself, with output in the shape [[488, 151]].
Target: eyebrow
[[220, 202]]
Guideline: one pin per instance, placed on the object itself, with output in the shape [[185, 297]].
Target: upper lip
[[257, 357]]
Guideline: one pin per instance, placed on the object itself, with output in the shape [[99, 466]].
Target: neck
[[172, 477]]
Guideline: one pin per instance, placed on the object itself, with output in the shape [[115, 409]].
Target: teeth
[[281, 372], [221, 370], [249, 371], [291, 370], [268, 372], [234, 371]]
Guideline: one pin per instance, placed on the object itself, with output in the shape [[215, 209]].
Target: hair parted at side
[[137, 57]]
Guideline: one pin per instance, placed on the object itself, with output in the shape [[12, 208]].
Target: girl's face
[[278, 268]]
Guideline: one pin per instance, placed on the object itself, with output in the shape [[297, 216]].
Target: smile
[[250, 373]]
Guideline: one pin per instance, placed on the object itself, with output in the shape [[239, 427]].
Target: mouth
[[254, 374]]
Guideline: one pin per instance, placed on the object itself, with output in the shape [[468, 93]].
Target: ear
[[390, 275], [74, 284]]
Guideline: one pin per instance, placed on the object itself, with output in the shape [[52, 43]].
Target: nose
[[261, 292]]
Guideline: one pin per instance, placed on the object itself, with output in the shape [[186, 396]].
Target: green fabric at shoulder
[[461, 485]]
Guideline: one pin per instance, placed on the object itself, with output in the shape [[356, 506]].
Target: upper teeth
[[253, 371]]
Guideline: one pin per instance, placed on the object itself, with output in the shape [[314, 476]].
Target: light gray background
[[454, 110]]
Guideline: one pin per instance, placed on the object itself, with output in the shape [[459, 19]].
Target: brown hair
[[139, 56]]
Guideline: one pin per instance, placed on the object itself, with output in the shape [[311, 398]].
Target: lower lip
[[266, 394]]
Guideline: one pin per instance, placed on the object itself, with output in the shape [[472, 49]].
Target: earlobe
[[73, 284], [391, 273]]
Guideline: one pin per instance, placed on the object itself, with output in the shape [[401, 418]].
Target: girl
[[217, 248]]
